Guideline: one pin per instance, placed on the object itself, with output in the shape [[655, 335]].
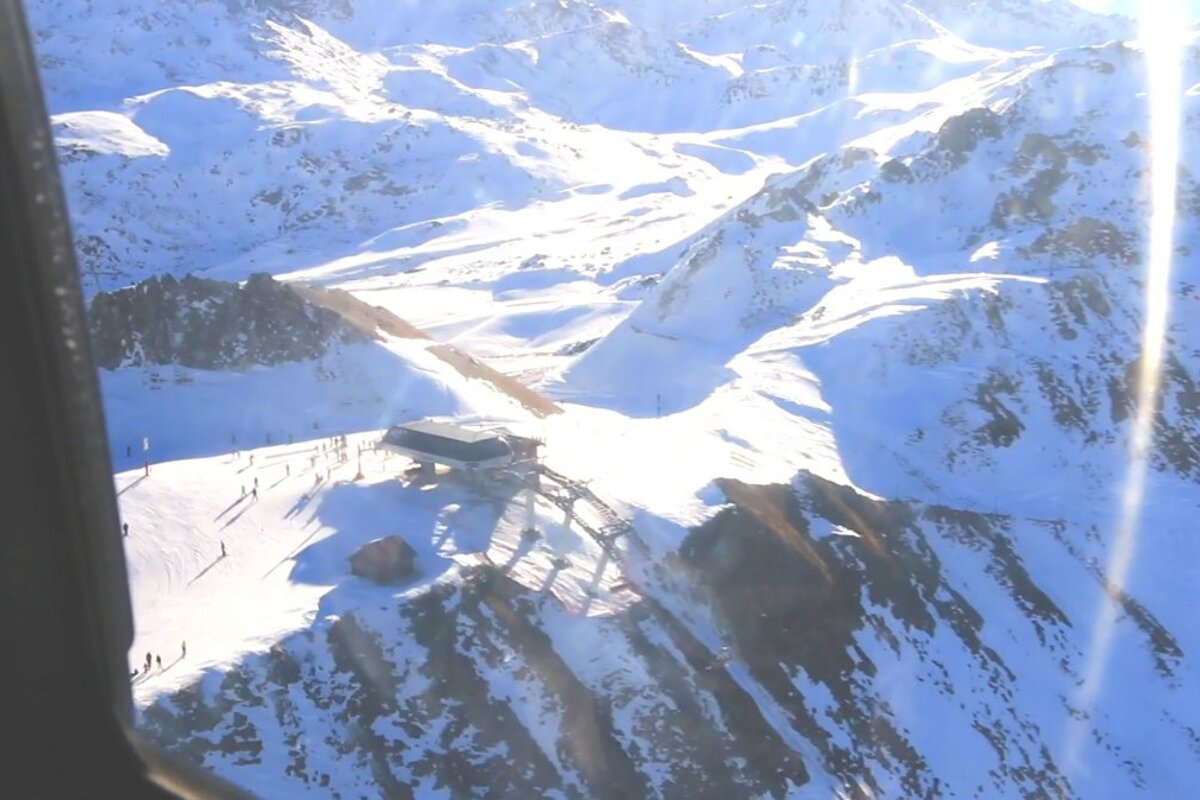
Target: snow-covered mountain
[[940, 268], [174, 354], [356, 127], [213, 325], [842, 304]]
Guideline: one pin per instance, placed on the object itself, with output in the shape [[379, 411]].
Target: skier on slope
[[148, 661], [183, 649], [125, 528], [158, 661], [222, 556]]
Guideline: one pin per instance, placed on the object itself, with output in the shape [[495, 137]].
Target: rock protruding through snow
[[210, 324], [386, 560]]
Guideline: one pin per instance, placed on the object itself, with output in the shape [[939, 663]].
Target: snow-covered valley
[[840, 304]]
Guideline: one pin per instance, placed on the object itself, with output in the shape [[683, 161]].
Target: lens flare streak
[[1162, 27]]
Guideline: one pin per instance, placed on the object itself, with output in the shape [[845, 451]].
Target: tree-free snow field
[[842, 304], [288, 518]]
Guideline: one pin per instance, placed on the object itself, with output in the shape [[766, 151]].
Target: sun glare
[[1162, 29]]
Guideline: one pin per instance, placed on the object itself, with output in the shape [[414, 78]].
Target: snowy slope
[[955, 316], [915, 331], [1025, 227], [854, 649], [311, 134], [842, 301], [287, 547], [188, 412]]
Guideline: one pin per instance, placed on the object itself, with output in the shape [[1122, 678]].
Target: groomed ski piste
[[289, 547]]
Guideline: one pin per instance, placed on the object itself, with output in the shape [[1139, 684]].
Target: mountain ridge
[[839, 307]]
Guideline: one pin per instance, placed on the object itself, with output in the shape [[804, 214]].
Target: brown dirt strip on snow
[[372, 319], [367, 318], [470, 367]]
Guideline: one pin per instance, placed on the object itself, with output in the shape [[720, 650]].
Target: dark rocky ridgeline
[[793, 602], [491, 688], [799, 606], [464, 690], [210, 324]]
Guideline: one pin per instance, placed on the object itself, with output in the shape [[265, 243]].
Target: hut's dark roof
[[442, 440], [446, 430]]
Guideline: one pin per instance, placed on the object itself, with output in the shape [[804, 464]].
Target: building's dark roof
[[446, 430], [440, 440]]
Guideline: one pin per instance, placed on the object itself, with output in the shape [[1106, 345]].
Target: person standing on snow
[[147, 661], [125, 528], [222, 549], [158, 661], [254, 493], [183, 649]]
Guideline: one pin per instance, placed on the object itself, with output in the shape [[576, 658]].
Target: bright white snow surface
[[733, 239], [288, 550], [187, 412]]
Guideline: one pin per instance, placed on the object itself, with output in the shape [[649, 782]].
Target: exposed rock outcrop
[[385, 560], [210, 324], [841, 613]]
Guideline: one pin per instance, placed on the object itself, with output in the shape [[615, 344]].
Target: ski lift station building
[[429, 442]]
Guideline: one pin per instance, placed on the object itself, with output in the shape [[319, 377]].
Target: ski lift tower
[[532, 485], [526, 466]]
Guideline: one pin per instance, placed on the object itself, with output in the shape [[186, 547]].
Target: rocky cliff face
[[209, 324], [463, 690], [832, 598], [871, 648]]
